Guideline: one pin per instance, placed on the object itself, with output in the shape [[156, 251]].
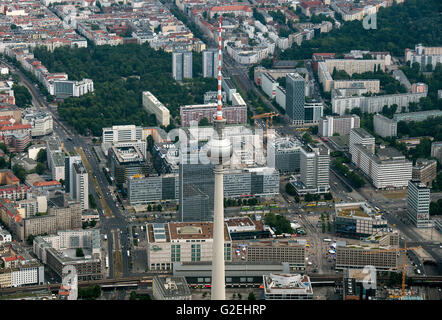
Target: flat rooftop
[[287, 283], [172, 286], [182, 231], [362, 132], [389, 153], [352, 211], [240, 222]]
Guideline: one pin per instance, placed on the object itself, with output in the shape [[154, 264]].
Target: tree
[[89, 293], [79, 252], [4, 147], [42, 156], [22, 96], [203, 122], [149, 208], [418, 16], [278, 222], [92, 202], [31, 238], [328, 196], [40, 168], [309, 197], [251, 296], [290, 189], [115, 99], [19, 172], [3, 163]]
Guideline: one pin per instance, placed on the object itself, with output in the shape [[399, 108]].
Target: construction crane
[[267, 116], [404, 250]]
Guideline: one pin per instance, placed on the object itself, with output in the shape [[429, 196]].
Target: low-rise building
[[417, 116], [425, 171], [19, 268], [41, 123], [363, 254], [359, 285], [287, 287], [5, 236], [170, 288], [288, 251], [60, 250], [357, 220], [182, 242]]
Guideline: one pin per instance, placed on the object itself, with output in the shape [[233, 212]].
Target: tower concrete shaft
[[218, 267]]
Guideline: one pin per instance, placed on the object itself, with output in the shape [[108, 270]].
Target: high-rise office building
[[286, 152], [295, 97], [69, 171], [314, 162], [182, 65], [210, 63], [196, 188], [418, 203], [80, 185]]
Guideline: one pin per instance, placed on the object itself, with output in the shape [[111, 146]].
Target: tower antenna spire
[[219, 111]]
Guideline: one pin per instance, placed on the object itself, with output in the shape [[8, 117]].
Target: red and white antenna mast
[[219, 112]]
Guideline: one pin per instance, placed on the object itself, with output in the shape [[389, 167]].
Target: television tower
[[219, 153]]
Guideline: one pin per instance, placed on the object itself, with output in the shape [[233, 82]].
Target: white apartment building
[[237, 100], [80, 185], [350, 66], [280, 96], [371, 85], [5, 236], [388, 168], [360, 136], [152, 105], [26, 275], [342, 125], [268, 85], [384, 126], [41, 123], [424, 56], [342, 103]]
